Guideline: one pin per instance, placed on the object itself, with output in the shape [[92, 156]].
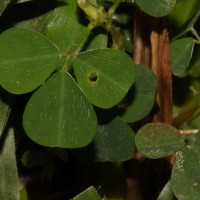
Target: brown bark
[[151, 48], [161, 66]]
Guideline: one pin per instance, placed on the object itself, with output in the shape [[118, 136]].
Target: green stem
[[194, 32], [72, 52], [112, 10], [117, 38]]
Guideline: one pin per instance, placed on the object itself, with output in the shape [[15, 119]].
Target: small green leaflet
[[141, 97], [158, 140], [181, 53]]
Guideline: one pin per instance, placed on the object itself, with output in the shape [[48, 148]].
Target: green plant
[[67, 66]]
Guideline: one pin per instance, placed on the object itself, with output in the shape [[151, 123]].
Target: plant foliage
[[68, 82]]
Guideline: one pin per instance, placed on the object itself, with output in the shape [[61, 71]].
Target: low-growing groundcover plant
[[99, 99]]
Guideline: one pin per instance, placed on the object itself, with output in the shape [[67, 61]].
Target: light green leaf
[[59, 115], [27, 60], [185, 178], [157, 140], [6, 99], [23, 192], [111, 138], [181, 53], [141, 96], [89, 194], [3, 5], [166, 193], [156, 8], [185, 15], [9, 184], [105, 75]]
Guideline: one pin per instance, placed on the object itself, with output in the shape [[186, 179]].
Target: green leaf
[[111, 138], [105, 75], [166, 193], [141, 97], [9, 184], [185, 178], [27, 60], [59, 115], [98, 39], [63, 24], [187, 26], [6, 99], [194, 69], [157, 140], [185, 14], [31, 159], [23, 192], [181, 53], [125, 1], [156, 8], [88, 194], [3, 5]]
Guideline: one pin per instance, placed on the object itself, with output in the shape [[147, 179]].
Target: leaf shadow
[[21, 12]]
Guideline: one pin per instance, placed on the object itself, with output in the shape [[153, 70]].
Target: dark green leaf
[[185, 15], [6, 100], [31, 159], [126, 1], [141, 97], [115, 141], [88, 194], [98, 39], [63, 24], [105, 75], [9, 185], [181, 52], [3, 5], [157, 140], [59, 115], [194, 69], [166, 193], [185, 173], [156, 8], [27, 60]]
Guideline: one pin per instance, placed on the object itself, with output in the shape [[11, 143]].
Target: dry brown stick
[[161, 66], [151, 48]]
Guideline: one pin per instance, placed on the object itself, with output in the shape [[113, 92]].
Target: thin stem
[[116, 37], [72, 52], [194, 32], [112, 10]]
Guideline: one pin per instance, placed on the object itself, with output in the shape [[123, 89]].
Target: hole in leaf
[[93, 76], [188, 141]]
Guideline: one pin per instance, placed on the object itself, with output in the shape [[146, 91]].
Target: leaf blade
[[105, 75], [59, 115], [157, 140], [8, 168], [27, 60]]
